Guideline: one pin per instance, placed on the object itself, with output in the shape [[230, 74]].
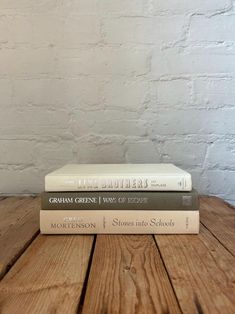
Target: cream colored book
[[121, 177], [119, 222]]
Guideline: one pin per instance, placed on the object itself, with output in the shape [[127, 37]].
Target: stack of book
[[119, 198]]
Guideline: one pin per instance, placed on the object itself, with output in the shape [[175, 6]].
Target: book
[[121, 177], [122, 200], [119, 222]]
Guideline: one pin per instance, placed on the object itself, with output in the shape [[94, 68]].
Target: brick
[[199, 179], [81, 123], [64, 93], [220, 181], [105, 151], [81, 29], [24, 62], [129, 95], [219, 28], [15, 30], [65, 7], [16, 152], [184, 122], [186, 6], [142, 150], [45, 7], [214, 93], [171, 93], [47, 30], [145, 30], [36, 30], [85, 92], [28, 6], [26, 181], [221, 155], [123, 7], [202, 62], [123, 127], [11, 4], [51, 155], [184, 153], [5, 92], [103, 61], [39, 92], [109, 122], [33, 123]]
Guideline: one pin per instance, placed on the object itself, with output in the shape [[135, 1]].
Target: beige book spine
[[119, 222], [118, 183]]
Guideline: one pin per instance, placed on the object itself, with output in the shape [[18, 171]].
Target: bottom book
[[119, 222]]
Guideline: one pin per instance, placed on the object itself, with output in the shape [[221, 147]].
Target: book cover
[[122, 177], [120, 200], [118, 222]]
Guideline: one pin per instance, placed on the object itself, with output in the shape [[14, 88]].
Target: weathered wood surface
[[10, 211], [219, 217], [117, 273], [202, 272], [128, 276], [19, 224], [48, 277]]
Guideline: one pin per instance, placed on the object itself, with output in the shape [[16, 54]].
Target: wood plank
[[202, 272], [48, 277], [219, 218], [11, 208], [19, 226], [128, 276]]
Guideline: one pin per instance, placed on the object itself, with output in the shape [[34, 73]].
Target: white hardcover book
[[119, 222], [121, 177]]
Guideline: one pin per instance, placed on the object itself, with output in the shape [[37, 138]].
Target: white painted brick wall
[[117, 81], [191, 7]]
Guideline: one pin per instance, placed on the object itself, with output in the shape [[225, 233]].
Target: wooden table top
[[116, 273]]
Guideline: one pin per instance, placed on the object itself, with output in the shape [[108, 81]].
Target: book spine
[[118, 222], [120, 200], [119, 183]]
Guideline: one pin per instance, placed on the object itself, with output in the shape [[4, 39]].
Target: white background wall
[[117, 81]]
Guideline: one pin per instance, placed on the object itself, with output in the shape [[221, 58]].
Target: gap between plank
[[154, 239], [84, 288], [211, 232], [19, 254]]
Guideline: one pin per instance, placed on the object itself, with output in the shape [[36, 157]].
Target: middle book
[[115, 200]]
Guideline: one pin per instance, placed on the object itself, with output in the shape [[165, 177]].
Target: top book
[[120, 177]]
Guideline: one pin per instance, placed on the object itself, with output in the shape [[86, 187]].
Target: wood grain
[[128, 276], [219, 218], [202, 272], [10, 209], [49, 276], [19, 225]]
